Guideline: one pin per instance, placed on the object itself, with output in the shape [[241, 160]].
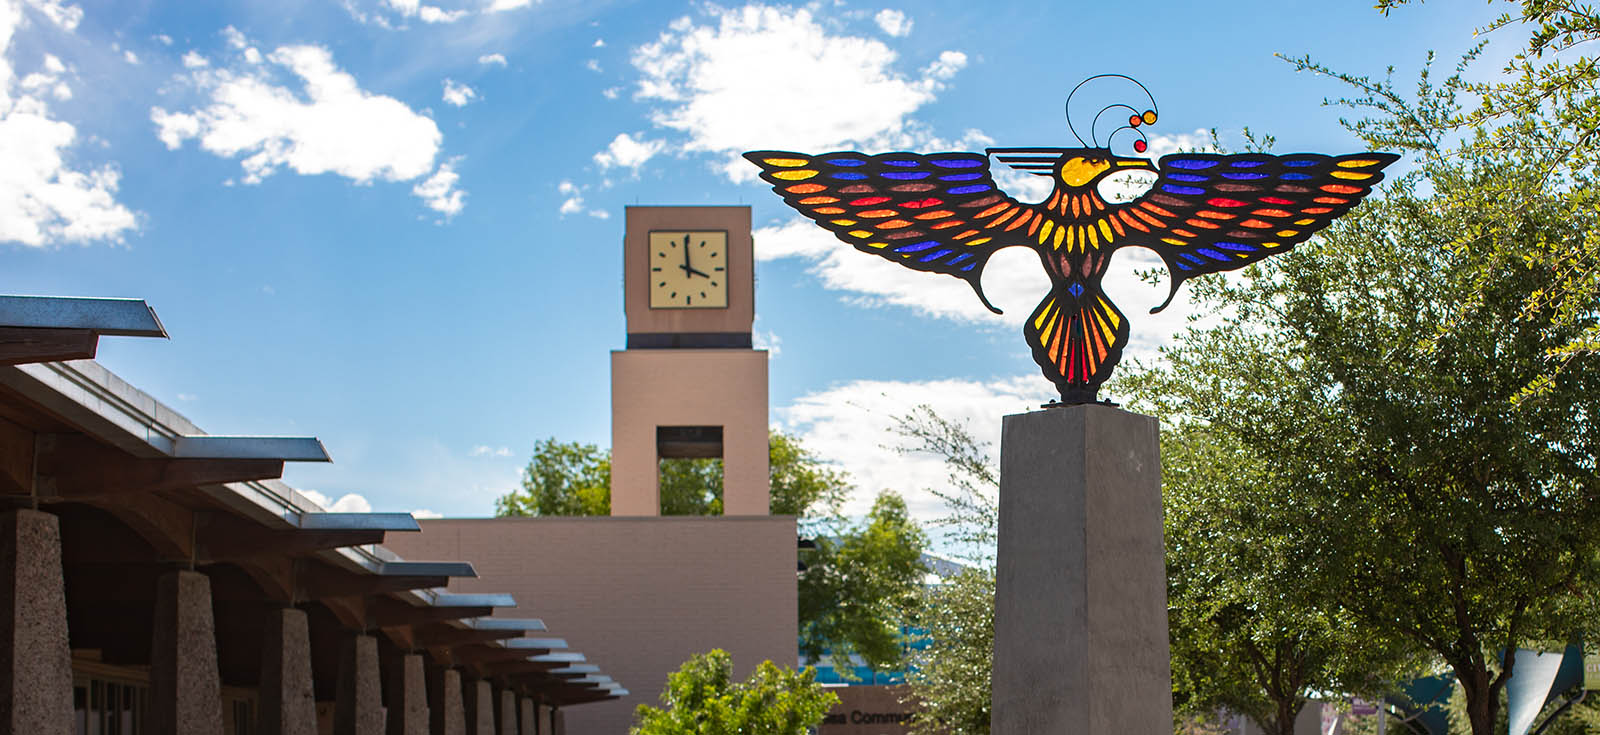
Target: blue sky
[[396, 224]]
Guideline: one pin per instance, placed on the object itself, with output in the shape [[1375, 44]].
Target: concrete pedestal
[[508, 712], [479, 698], [287, 704], [35, 660], [525, 716], [185, 688], [444, 702], [405, 695], [359, 709], [1080, 641]]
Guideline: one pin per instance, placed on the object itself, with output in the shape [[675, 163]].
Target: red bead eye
[[1135, 121], [1140, 145]]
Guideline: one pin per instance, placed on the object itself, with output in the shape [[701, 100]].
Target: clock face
[[688, 269]]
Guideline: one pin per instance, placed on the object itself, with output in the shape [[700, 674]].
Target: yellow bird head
[[1078, 168]]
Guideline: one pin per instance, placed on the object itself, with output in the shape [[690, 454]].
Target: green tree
[[702, 698], [950, 676], [573, 479], [562, 479], [1377, 372], [1244, 637], [1542, 111], [857, 585]]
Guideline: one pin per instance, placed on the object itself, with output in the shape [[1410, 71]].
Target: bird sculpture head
[[1079, 168]]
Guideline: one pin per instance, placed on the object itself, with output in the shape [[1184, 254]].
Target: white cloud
[[45, 198], [193, 60], [484, 450], [592, 65], [572, 201], [893, 22], [329, 125], [731, 86], [347, 503], [439, 191], [599, 43], [62, 14], [425, 13], [492, 59], [165, 39], [611, 93], [769, 341], [626, 152], [946, 66], [851, 425], [499, 5], [187, 397], [458, 94], [424, 513], [130, 57]]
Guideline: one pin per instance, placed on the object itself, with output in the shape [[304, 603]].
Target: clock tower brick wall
[[689, 367]]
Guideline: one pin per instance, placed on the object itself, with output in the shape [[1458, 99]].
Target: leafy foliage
[[950, 678], [573, 479], [1541, 112], [857, 584], [1379, 369], [702, 698], [1243, 639], [562, 479]]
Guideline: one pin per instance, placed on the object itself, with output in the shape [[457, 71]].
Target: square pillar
[[1080, 636], [185, 688], [35, 657], [526, 715], [444, 702], [479, 698], [508, 711], [558, 721], [359, 709], [287, 704], [405, 695]]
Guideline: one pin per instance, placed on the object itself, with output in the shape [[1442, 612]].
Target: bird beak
[[1132, 163]]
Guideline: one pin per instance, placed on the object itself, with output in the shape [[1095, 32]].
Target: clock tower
[[688, 383]]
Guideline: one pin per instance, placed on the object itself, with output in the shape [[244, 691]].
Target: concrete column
[[287, 704], [444, 702], [479, 698], [405, 695], [525, 716], [558, 721], [508, 711], [35, 658], [1080, 640], [359, 709], [185, 688]]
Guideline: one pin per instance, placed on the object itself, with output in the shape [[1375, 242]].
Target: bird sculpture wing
[[926, 211], [1208, 213]]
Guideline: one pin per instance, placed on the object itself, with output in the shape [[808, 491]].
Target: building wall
[[638, 596], [867, 710]]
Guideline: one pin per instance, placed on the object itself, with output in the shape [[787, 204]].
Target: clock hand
[[686, 266], [694, 272]]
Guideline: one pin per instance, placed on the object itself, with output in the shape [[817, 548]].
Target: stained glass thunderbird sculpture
[[943, 213]]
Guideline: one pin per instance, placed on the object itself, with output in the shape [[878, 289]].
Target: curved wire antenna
[[1139, 146], [1095, 137], [1068, 105]]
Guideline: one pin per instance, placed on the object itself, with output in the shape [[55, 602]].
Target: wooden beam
[[20, 345], [512, 668], [489, 656], [16, 459], [224, 537], [440, 635], [318, 581], [385, 612], [72, 467]]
